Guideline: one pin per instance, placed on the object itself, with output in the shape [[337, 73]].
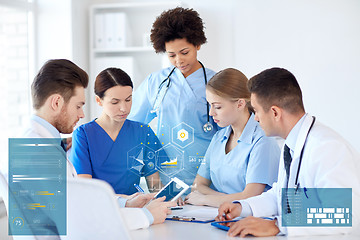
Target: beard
[[62, 123]]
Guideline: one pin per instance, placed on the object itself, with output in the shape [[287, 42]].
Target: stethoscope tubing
[[168, 85], [301, 154]]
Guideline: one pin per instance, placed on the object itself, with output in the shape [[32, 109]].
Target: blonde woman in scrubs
[[240, 161]]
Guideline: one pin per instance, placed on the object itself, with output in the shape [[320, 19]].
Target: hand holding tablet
[[173, 190]]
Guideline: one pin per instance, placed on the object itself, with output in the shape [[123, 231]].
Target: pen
[[239, 218], [227, 221], [176, 208], [189, 219], [138, 188]]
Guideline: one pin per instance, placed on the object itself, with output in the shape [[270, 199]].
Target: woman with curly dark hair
[[176, 95]]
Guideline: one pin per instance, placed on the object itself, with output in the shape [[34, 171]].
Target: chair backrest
[[4, 192], [3, 208], [93, 212]]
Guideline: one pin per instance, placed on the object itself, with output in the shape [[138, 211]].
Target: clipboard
[[194, 214], [189, 219], [221, 226]]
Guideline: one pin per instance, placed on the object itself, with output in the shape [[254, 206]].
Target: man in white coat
[[58, 94], [328, 161]]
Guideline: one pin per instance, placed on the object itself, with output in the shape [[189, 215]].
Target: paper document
[[194, 214]]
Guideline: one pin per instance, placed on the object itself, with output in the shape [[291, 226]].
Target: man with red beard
[[58, 95]]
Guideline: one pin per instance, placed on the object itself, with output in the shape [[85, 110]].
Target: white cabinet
[[120, 37]]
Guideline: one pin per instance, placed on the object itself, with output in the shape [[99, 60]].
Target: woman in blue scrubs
[[176, 95], [111, 147], [241, 161]]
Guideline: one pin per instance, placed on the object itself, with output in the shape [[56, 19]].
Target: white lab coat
[[328, 162], [135, 218], [36, 130]]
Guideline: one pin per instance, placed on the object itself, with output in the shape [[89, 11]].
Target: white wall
[[80, 43], [317, 40], [53, 31], [63, 32]]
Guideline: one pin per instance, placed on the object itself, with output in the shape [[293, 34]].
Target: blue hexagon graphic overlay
[[163, 134], [195, 158], [169, 160], [141, 160], [182, 135]]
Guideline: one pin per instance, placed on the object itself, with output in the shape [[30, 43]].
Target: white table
[[173, 230]]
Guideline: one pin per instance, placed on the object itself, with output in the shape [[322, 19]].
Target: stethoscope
[[297, 184], [208, 127]]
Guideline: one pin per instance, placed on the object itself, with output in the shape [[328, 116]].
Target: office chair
[[92, 211], [3, 206], [3, 189]]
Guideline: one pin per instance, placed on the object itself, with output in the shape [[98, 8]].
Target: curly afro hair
[[177, 23]]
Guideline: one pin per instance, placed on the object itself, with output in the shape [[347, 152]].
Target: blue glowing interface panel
[[37, 187], [317, 207]]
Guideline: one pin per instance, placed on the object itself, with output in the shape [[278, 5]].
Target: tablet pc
[[173, 190]]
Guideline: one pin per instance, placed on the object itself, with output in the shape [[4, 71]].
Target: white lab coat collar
[[48, 126], [301, 138], [291, 139]]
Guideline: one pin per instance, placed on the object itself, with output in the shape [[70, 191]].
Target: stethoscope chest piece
[[208, 127]]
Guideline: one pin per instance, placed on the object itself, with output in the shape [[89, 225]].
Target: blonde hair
[[230, 84]]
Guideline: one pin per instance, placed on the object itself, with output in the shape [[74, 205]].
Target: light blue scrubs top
[[122, 162], [181, 118], [255, 159]]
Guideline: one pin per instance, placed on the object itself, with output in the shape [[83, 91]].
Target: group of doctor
[[231, 162], [240, 161]]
